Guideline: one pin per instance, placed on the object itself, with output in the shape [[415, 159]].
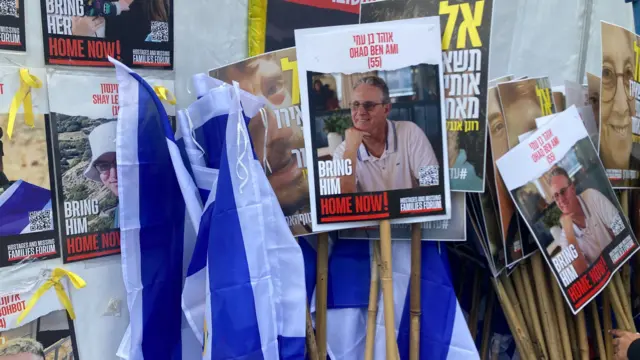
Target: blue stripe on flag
[[162, 212], [232, 301], [349, 275], [21, 198]]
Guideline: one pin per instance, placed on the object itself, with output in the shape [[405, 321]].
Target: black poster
[[12, 25], [85, 32]]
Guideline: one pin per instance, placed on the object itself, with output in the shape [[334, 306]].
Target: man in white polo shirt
[[589, 217], [385, 154]]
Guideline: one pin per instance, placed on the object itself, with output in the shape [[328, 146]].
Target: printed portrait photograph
[[89, 175], [25, 182], [573, 204], [388, 123], [277, 137], [47, 338], [619, 140]]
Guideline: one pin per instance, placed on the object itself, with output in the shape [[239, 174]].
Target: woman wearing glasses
[[103, 168]]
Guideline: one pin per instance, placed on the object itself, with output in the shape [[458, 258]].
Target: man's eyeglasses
[[367, 105], [610, 82], [561, 193], [104, 167]]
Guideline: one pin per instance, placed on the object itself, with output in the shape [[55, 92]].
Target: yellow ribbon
[[164, 94], [55, 281], [23, 96]]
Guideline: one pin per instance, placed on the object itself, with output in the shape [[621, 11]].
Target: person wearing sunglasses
[[103, 168], [617, 105], [385, 154], [589, 217]]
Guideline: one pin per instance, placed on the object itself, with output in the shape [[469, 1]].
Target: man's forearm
[[348, 182]]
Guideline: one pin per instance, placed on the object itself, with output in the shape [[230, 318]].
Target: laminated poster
[[46, 325], [284, 16], [466, 31], [84, 111], [274, 78], [139, 33], [374, 154], [441, 230], [619, 101], [561, 190], [27, 205], [12, 36]]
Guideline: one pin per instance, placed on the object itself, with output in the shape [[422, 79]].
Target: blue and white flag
[[17, 202], [156, 195], [256, 308], [443, 329]]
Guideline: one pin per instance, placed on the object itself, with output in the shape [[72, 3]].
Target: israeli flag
[[158, 207], [256, 308], [17, 203], [444, 333]]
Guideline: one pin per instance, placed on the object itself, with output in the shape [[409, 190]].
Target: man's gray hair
[[22, 346], [377, 82], [558, 171]]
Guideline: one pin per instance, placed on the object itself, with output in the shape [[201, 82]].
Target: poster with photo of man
[[28, 214], [619, 100], [561, 190], [380, 154], [84, 112], [466, 33]]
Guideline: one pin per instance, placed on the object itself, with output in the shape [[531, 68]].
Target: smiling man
[[591, 215], [385, 154]]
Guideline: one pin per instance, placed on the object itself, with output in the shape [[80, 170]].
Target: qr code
[[428, 175], [8, 7], [40, 220], [159, 31], [617, 225]]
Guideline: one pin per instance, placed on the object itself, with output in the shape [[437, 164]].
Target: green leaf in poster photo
[[338, 122]]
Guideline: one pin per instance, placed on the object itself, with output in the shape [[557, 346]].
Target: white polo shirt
[[601, 215], [407, 151]]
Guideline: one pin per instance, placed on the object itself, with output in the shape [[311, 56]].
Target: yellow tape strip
[[55, 281], [257, 26], [164, 94], [23, 97]]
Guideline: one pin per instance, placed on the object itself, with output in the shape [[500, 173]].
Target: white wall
[[530, 37]]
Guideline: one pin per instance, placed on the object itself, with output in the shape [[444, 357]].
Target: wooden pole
[[416, 289], [486, 327], [597, 331], [321, 294], [525, 348], [607, 323], [372, 313], [625, 301], [521, 296], [547, 315], [571, 325], [559, 305], [386, 280], [616, 303], [533, 309], [583, 343], [312, 347]]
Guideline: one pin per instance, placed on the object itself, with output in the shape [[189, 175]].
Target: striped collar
[[391, 144]]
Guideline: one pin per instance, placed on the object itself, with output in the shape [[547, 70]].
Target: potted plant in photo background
[[335, 126]]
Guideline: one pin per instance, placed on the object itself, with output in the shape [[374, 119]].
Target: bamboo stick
[[486, 328], [386, 281], [475, 302], [372, 312], [624, 300], [597, 331], [549, 321], [524, 305], [514, 298], [571, 325], [533, 309], [416, 289], [312, 347], [607, 323], [525, 348], [321, 294], [559, 305], [618, 310], [583, 343]]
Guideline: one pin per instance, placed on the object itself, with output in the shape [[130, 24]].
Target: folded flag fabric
[[256, 311], [152, 221], [444, 333], [18, 202]]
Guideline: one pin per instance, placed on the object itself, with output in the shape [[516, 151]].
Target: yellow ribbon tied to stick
[[23, 97], [55, 281], [164, 94]]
